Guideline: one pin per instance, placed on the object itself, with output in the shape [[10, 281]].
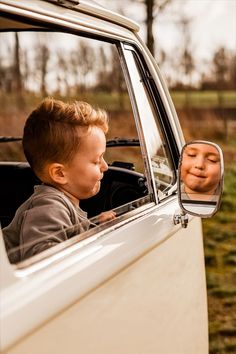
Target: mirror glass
[[200, 180]]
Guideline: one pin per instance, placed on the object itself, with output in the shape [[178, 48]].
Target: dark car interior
[[119, 186]]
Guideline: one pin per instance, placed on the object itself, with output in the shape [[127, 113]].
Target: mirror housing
[[200, 178]]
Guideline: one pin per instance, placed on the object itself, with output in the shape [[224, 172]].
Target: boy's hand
[[106, 216]]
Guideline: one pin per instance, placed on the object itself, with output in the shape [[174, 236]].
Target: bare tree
[[25, 67], [16, 66], [116, 78], [221, 70], [74, 69], [221, 64], [232, 72], [186, 60], [86, 60], [62, 73], [42, 54], [153, 9], [6, 70], [102, 81]]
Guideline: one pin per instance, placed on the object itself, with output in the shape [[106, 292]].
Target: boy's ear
[[56, 172]]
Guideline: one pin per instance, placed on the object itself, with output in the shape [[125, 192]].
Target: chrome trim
[[95, 9], [221, 183], [146, 158], [28, 267], [86, 7], [66, 248]]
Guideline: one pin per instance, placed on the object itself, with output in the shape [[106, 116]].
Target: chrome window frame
[[158, 121]]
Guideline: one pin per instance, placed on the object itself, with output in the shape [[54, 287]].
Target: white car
[[133, 285]]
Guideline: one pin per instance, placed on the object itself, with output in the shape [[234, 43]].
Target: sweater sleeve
[[43, 226]]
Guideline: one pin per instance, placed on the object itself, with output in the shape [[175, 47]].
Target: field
[[217, 123], [220, 259], [205, 99]]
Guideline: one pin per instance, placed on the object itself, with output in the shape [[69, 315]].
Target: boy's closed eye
[[213, 158]]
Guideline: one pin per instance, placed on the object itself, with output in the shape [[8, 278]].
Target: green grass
[[204, 99], [220, 259], [106, 100], [115, 101]]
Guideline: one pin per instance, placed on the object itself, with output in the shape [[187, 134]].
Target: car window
[[35, 64], [162, 170]]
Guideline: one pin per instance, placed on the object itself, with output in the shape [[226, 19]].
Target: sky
[[213, 23]]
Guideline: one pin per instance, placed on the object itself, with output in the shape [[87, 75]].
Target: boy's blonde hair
[[51, 131]]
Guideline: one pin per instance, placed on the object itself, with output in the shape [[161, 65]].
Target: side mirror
[[200, 180]]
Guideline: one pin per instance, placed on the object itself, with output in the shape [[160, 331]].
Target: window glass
[[160, 161], [36, 64]]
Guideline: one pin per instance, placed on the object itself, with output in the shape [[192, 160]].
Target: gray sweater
[[47, 218]]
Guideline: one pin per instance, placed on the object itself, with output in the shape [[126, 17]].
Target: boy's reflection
[[200, 172]]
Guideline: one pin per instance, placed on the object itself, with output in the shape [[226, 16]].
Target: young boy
[[64, 145], [200, 172]]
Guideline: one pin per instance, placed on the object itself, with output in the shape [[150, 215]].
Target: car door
[[132, 285]]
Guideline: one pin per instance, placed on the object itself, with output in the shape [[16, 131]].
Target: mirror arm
[[181, 218]]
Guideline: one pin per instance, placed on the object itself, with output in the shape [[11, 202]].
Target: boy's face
[[85, 171], [200, 170]]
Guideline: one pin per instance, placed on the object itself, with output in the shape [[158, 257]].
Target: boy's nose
[[104, 166], [199, 163]]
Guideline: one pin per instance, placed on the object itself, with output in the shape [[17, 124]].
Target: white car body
[[136, 287]]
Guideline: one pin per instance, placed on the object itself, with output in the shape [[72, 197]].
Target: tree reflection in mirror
[[200, 181]]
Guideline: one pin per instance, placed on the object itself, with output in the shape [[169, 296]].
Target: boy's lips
[[197, 175]]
